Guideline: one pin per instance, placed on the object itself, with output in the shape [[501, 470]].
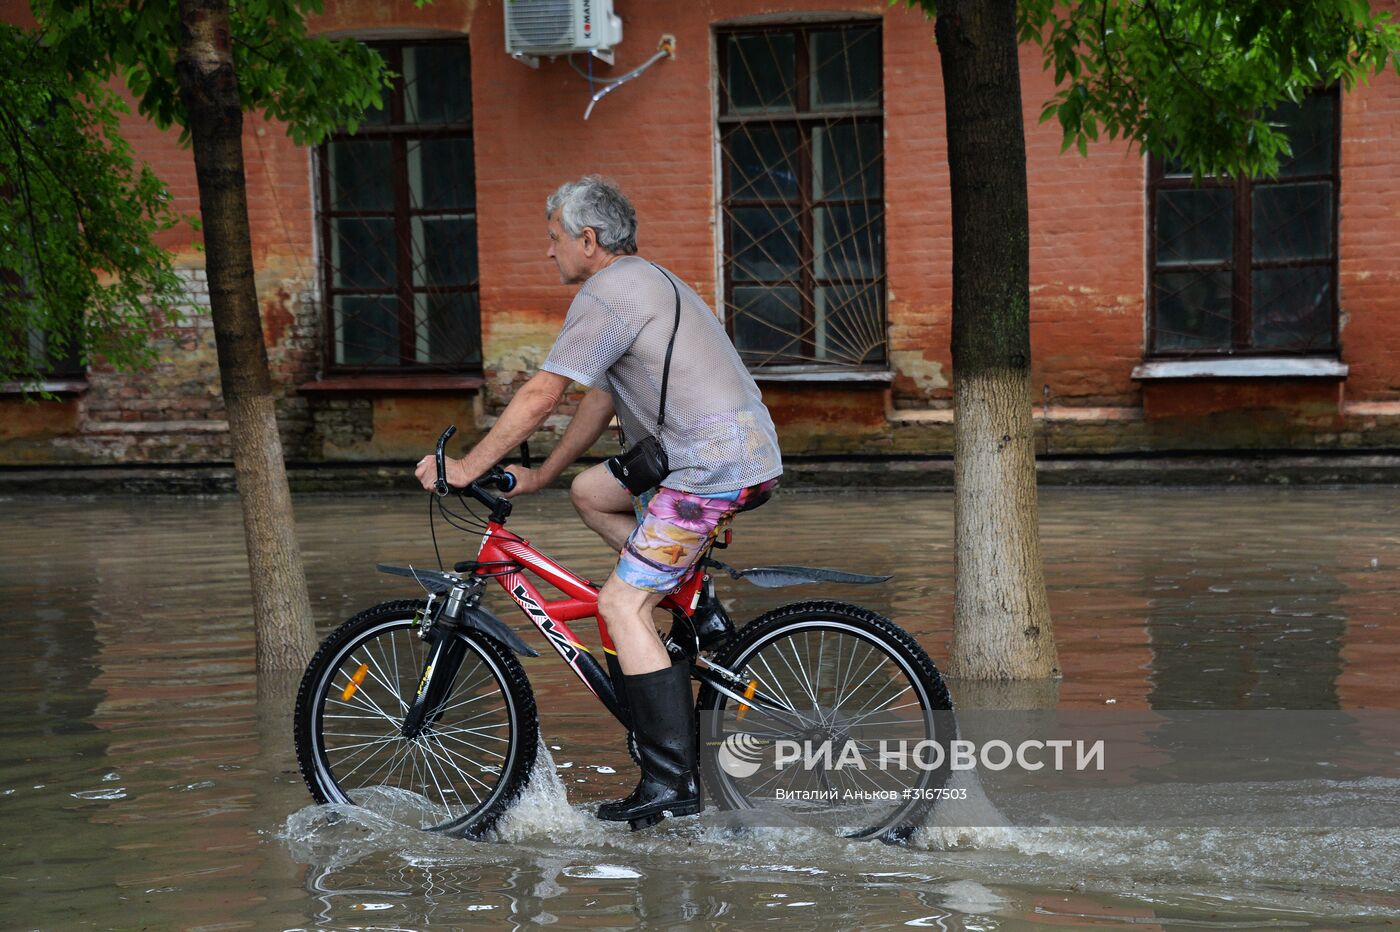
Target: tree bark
[[1001, 625], [209, 89]]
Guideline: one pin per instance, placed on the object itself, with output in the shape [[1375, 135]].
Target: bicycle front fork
[[439, 673]]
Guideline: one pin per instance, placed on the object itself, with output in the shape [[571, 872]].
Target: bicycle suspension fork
[[447, 651]]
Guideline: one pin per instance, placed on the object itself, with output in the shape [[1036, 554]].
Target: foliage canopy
[[1195, 80], [78, 212]]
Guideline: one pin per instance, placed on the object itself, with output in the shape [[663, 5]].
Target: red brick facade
[[657, 137]]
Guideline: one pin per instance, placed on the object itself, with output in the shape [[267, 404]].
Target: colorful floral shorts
[[675, 528]]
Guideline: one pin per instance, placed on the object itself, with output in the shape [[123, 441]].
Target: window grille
[[1249, 265], [398, 219], [801, 131]]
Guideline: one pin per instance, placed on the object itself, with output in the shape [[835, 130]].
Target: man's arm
[[534, 402], [587, 425]]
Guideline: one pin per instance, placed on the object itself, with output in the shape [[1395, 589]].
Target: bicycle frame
[[507, 557]]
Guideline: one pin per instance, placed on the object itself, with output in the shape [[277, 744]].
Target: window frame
[[1242, 269], [399, 134], [803, 118]]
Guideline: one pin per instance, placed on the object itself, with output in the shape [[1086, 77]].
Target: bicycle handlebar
[[441, 487], [494, 478]]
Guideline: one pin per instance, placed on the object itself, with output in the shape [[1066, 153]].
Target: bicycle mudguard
[[481, 620], [777, 577], [431, 580], [472, 616]]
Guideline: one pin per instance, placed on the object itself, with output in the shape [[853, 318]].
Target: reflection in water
[[1265, 626], [147, 780]]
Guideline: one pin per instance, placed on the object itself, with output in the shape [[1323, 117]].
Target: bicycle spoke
[[447, 762], [366, 701], [342, 748], [458, 705], [466, 775], [378, 673], [892, 682], [445, 797], [778, 686], [840, 696], [864, 720], [837, 705], [440, 735], [400, 753], [466, 684], [474, 732], [345, 777], [800, 677], [421, 745]]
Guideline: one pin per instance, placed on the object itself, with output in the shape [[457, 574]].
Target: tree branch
[[1171, 56], [27, 196]]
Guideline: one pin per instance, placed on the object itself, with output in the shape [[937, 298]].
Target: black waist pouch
[[642, 468]]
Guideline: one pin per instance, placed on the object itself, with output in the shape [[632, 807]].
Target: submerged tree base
[[1001, 627]]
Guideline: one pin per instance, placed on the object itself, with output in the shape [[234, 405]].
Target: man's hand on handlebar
[[440, 473], [426, 473], [526, 481]]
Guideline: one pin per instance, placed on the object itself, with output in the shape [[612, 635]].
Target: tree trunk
[[209, 89], [1001, 625]]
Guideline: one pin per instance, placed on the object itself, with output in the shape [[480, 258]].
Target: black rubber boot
[[619, 684], [663, 719]]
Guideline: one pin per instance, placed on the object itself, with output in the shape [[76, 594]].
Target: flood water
[[148, 780]]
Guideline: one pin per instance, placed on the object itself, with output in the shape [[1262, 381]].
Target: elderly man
[[719, 442]]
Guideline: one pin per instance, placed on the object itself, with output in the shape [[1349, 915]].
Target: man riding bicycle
[[652, 352]]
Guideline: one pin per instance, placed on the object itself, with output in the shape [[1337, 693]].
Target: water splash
[[543, 807]]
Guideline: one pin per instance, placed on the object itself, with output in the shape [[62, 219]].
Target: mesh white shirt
[[718, 435]]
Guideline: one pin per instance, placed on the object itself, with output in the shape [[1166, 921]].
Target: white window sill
[[1243, 367], [820, 374], [52, 386]]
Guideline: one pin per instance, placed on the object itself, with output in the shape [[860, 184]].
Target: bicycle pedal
[[646, 821]]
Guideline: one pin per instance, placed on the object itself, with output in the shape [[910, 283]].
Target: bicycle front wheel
[[460, 773], [846, 709]]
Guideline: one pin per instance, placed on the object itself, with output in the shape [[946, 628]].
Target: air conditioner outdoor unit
[[560, 27]]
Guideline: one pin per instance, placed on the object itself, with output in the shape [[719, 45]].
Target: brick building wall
[[657, 137]]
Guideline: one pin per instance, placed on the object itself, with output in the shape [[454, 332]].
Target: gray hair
[[593, 201]]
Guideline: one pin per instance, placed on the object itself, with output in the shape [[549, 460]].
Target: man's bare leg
[[628, 613], [604, 505], [662, 711]]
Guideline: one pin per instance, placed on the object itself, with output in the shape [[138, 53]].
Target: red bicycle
[[421, 707]]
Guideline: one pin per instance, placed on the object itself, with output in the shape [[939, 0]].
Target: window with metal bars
[[801, 130], [1242, 266], [398, 219]]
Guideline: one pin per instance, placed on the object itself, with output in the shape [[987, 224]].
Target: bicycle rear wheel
[[460, 774], [839, 747]]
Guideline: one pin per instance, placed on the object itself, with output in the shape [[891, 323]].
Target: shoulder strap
[[666, 370]]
